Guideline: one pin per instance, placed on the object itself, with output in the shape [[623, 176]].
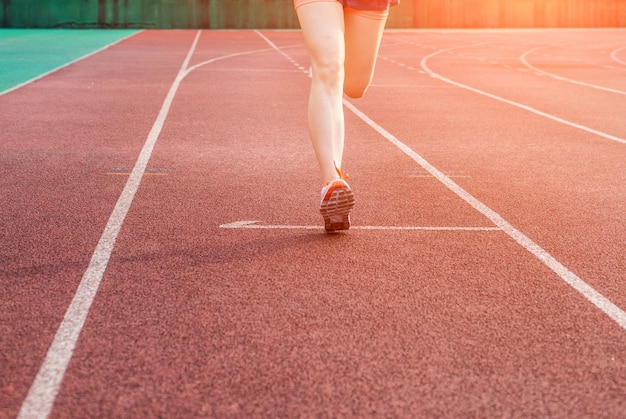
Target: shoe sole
[[336, 210]]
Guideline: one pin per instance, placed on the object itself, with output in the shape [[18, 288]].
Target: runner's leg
[[322, 25], [363, 34]]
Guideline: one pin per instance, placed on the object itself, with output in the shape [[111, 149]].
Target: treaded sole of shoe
[[336, 210]]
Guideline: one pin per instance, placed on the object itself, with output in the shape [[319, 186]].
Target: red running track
[[494, 160]]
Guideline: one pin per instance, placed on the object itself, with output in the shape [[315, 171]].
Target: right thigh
[[322, 26]]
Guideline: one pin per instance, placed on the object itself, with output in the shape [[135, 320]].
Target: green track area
[[26, 54]]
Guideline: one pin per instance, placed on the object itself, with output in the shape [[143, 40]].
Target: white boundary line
[[510, 102], [40, 398], [281, 52], [596, 298], [43, 391], [47, 73], [558, 77], [252, 225]]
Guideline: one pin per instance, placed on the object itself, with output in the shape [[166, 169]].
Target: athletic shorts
[[356, 4]]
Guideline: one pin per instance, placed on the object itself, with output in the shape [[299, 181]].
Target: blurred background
[[279, 14]]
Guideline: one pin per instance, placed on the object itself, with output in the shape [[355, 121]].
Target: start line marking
[[254, 226], [596, 298]]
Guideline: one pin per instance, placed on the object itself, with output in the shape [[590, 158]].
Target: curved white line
[[597, 299], [511, 102], [43, 392], [223, 57], [556, 76], [614, 56]]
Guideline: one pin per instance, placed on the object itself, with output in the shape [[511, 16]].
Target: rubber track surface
[[448, 317]]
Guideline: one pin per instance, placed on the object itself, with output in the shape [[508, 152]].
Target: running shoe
[[336, 203]]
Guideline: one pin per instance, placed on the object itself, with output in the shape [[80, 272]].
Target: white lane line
[[284, 54], [614, 53], [524, 60], [47, 73], [252, 225], [513, 103], [597, 299], [45, 387], [40, 398]]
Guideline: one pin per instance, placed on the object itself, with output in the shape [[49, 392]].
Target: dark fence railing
[[248, 14]]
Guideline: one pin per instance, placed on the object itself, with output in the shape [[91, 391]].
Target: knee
[[329, 71], [355, 88]]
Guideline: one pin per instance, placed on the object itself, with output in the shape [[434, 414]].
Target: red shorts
[[373, 9]]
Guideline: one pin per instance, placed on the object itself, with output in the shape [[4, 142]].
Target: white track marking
[[614, 56], [252, 225], [47, 73], [283, 53], [596, 298], [235, 54], [558, 77], [43, 392], [513, 103], [40, 398]]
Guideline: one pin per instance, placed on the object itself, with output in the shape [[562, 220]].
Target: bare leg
[[362, 40], [322, 25], [343, 45]]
